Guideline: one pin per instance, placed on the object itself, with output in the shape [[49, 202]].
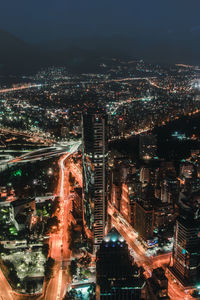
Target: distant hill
[[175, 48], [17, 57], [82, 54]]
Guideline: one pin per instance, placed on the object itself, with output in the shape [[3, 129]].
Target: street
[[59, 247]]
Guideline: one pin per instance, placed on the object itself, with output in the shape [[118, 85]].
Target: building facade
[[117, 277], [186, 250], [95, 156]]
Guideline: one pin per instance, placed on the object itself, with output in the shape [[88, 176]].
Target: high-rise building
[[147, 146], [170, 187], [117, 277], [95, 156], [144, 221], [145, 175], [164, 214], [187, 170], [186, 249], [130, 193]]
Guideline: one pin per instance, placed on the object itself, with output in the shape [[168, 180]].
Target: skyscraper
[[95, 156], [117, 277], [170, 187], [144, 220]]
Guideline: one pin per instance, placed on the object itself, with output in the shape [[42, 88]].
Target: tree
[[71, 295], [71, 179], [85, 260], [74, 238], [45, 249], [12, 274], [51, 222], [49, 267], [55, 205], [73, 267]]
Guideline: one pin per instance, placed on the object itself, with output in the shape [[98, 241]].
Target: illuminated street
[[59, 247], [19, 88], [5, 289]]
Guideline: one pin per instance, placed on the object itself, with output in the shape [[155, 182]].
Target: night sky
[[41, 20], [155, 30]]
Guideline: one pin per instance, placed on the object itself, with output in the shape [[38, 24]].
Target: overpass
[[48, 152]]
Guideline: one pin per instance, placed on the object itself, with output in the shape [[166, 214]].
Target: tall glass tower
[[95, 156]]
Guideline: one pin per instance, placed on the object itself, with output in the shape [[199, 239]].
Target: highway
[[59, 242], [46, 153], [19, 88]]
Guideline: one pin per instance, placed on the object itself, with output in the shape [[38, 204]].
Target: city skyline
[[100, 150]]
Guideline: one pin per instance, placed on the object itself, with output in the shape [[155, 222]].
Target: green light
[[198, 287], [17, 173]]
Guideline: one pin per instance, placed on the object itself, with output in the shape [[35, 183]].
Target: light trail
[[59, 285], [59, 241], [62, 175], [62, 198], [46, 153], [18, 88], [129, 79]]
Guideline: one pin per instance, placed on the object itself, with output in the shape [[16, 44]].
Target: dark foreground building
[[117, 276], [186, 249], [147, 146]]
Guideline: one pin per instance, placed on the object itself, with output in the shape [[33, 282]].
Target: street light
[[49, 172]]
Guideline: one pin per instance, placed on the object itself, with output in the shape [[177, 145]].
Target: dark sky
[[39, 20]]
